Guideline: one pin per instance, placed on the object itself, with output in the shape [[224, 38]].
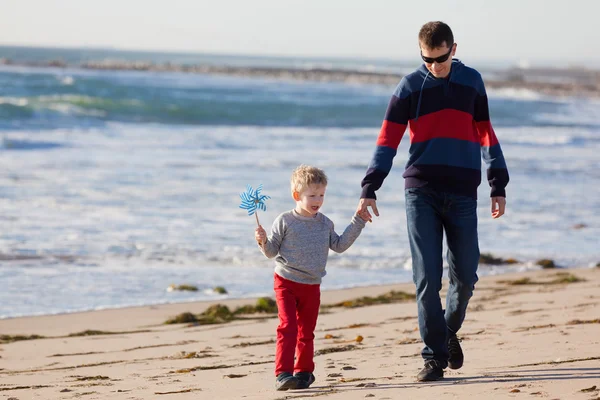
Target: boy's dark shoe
[[456, 358], [433, 371], [285, 381], [305, 379]]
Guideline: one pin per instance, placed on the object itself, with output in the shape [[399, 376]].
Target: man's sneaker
[[286, 381], [433, 371], [305, 379], [456, 357]]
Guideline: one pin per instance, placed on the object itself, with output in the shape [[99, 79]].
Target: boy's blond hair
[[304, 176]]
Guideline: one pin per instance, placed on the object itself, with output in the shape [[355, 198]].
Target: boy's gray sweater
[[302, 245]]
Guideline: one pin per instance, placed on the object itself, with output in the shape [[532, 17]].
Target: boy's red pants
[[298, 308]]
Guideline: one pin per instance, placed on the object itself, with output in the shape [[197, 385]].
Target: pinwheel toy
[[252, 201]]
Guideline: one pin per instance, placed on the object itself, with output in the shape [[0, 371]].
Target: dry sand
[[536, 340]]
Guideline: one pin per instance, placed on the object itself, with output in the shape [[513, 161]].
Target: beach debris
[[266, 305], [351, 326], [489, 259], [216, 313], [16, 338], [183, 318], [180, 391], [248, 344], [348, 368], [565, 277], [559, 361], [590, 389], [219, 366], [580, 226], [581, 322], [219, 290], [393, 296], [546, 263], [408, 341], [2, 389], [91, 378], [263, 305], [252, 201], [367, 384], [185, 355], [329, 350], [529, 328], [559, 278], [92, 332], [330, 336], [219, 313], [233, 376], [183, 288], [357, 339]]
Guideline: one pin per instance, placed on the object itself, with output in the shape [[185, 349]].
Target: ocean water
[[114, 185]]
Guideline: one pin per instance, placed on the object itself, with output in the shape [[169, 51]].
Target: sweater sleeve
[[390, 135], [271, 248], [497, 172], [341, 243]]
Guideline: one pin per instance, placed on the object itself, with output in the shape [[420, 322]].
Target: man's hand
[[260, 235], [363, 211], [498, 206]]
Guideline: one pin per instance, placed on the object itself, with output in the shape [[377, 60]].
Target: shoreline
[[485, 270], [533, 333], [564, 82]]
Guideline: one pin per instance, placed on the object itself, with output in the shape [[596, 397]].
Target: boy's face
[[310, 200]]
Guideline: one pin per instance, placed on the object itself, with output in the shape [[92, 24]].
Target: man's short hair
[[304, 176], [433, 35]]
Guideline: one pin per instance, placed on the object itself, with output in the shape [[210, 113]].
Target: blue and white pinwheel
[[252, 200]]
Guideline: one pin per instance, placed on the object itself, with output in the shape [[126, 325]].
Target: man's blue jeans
[[429, 213]]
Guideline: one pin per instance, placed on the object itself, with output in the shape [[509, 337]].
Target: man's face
[[438, 69]]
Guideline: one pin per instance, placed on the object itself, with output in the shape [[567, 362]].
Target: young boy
[[300, 240]]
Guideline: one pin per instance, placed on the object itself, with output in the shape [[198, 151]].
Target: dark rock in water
[[489, 259], [220, 290], [188, 288], [598, 265], [546, 263], [579, 226]]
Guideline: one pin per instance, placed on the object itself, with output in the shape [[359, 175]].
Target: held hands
[[363, 211], [260, 235], [498, 206]]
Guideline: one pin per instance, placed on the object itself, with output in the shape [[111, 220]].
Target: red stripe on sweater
[[486, 133], [390, 134], [447, 123]]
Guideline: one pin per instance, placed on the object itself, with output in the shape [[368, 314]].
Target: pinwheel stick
[[256, 215]]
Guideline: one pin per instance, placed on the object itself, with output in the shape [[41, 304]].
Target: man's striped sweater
[[450, 130]]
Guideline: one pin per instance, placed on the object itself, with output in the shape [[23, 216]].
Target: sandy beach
[[527, 335]]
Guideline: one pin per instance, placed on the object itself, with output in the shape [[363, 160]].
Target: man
[[445, 106]]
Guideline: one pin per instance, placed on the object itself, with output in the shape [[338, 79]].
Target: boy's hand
[[260, 235], [363, 211]]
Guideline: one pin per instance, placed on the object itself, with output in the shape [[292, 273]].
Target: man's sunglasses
[[439, 59]]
